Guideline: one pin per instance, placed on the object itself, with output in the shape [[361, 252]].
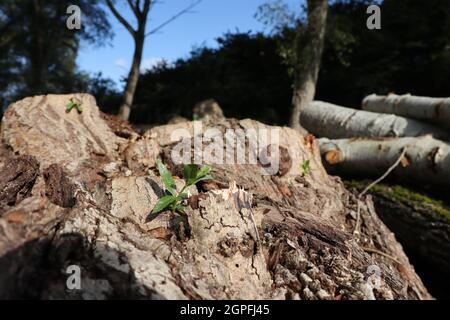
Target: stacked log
[[434, 110], [366, 142], [405, 137], [426, 160], [332, 121]]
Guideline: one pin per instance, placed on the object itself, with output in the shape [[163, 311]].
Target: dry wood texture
[[305, 248]]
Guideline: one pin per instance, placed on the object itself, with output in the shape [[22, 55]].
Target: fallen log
[[434, 110], [328, 120], [244, 235], [421, 224], [426, 160]]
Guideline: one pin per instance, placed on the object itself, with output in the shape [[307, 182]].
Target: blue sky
[[209, 20]]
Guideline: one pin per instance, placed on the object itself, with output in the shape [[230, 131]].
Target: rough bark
[[434, 110], [245, 235], [52, 135], [328, 120], [421, 224], [17, 178], [310, 53], [427, 160]]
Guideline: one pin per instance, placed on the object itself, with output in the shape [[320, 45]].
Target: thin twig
[[165, 23], [385, 174], [358, 198], [381, 253], [358, 216]]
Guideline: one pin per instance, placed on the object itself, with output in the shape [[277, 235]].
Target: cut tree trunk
[[245, 235], [426, 160], [331, 121], [310, 46], [434, 110]]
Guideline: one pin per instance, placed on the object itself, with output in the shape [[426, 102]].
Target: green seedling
[[305, 168], [74, 103], [173, 200], [195, 117]]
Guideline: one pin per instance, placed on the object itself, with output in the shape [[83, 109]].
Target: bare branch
[[134, 8], [120, 18], [146, 9], [179, 14]]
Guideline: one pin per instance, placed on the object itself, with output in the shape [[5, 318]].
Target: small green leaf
[[69, 106], [183, 196], [203, 172], [207, 177], [180, 208], [166, 177], [305, 168], [190, 173], [74, 103], [163, 203]]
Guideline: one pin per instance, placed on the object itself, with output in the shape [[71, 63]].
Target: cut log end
[[334, 157]]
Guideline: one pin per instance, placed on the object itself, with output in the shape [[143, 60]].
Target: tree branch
[[134, 8], [162, 25], [146, 9], [120, 18]]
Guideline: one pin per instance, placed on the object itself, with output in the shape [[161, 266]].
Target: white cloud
[[121, 63], [150, 63]]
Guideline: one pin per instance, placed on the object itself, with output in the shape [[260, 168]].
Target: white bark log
[[436, 110], [426, 160], [328, 120]]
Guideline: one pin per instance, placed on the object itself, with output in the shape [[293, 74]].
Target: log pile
[[410, 131], [88, 187], [370, 141]]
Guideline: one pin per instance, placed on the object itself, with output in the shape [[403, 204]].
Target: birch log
[[426, 159], [328, 120], [435, 110]]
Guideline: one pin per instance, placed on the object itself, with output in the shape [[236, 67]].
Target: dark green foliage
[[410, 54], [248, 74], [38, 52], [245, 76], [105, 92]]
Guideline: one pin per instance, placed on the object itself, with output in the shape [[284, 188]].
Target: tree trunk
[[331, 121], [37, 56], [434, 110], [310, 53], [133, 78], [285, 236], [427, 160]]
